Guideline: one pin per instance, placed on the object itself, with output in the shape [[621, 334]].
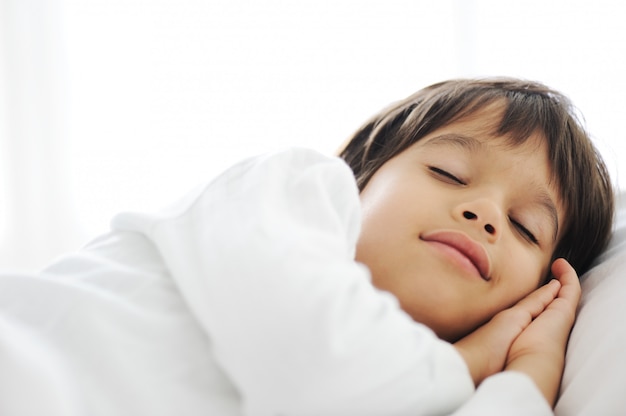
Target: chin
[[453, 334], [450, 337]]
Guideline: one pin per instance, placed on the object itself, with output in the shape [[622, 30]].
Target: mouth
[[474, 252]]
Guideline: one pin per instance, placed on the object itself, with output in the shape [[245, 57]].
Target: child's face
[[461, 225]]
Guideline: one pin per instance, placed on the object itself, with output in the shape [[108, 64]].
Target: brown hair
[[582, 177]]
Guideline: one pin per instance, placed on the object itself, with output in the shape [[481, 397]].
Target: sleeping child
[[430, 269]]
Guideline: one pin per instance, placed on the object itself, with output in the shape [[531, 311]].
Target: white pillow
[[594, 382]]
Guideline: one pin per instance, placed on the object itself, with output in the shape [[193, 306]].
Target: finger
[[562, 269], [570, 284], [538, 300]]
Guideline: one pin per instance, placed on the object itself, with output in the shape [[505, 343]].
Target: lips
[[469, 248]]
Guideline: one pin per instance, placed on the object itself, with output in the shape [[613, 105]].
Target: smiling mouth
[[459, 244]]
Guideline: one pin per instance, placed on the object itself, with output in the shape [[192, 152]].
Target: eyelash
[[445, 174], [524, 231], [518, 226]]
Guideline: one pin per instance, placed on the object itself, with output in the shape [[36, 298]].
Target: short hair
[[581, 175]]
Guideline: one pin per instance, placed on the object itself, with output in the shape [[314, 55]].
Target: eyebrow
[[466, 143], [472, 145]]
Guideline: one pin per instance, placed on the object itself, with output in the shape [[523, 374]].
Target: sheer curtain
[[38, 219], [109, 105]]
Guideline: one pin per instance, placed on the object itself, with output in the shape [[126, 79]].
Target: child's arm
[[529, 337], [264, 258]]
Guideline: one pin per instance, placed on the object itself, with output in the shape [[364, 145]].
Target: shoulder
[[288, 173], [291, 160], [294, 181]]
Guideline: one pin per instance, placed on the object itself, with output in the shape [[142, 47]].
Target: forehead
[[482, 120], [481, 130]]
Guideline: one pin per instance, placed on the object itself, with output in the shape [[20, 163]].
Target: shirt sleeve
[[264, 256], [508, 393]]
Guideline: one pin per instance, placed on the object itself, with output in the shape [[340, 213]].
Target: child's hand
[[486, 350], [539, 350]]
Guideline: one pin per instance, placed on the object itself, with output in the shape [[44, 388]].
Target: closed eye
[[446, 175], [524, 232]]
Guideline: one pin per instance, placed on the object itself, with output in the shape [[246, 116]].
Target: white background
[[111, 105]]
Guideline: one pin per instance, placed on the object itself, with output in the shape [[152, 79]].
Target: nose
[[484, 214]]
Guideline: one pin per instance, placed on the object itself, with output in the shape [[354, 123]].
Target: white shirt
[[245, 299]]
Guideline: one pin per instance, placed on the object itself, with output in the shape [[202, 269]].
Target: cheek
[[525, 273], [389, 213], [383, 241]]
